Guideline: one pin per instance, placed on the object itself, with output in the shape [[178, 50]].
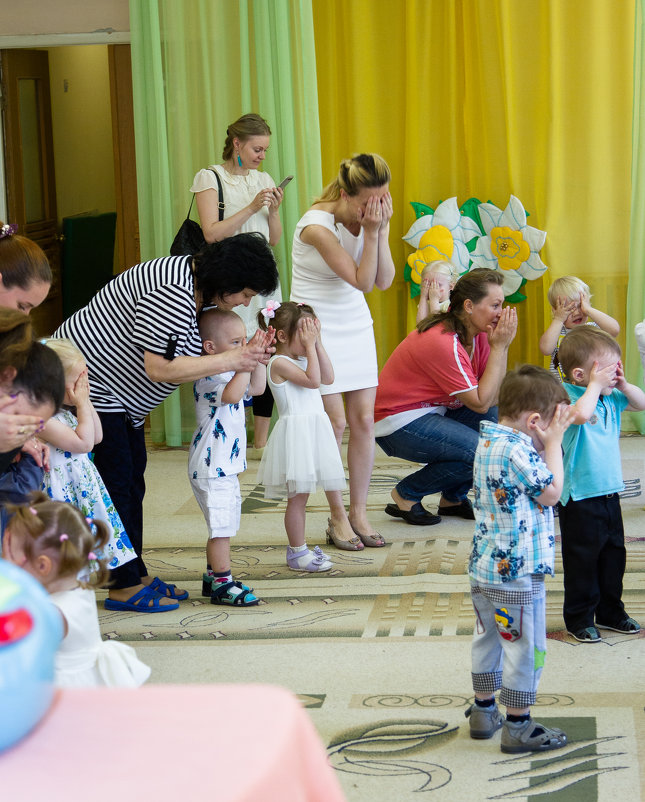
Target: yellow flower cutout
[[509, 247], [436, 243]]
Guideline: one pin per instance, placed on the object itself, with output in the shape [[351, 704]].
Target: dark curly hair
[[232, 264]]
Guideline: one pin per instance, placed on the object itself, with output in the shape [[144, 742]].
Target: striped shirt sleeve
[[137, 311]]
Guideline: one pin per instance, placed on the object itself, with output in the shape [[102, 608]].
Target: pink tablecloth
[[239, 743]]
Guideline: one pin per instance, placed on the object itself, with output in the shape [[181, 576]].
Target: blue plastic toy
[[31, 630]]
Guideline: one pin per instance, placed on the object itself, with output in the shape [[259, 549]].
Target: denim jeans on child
[[446, 444], [509, 643]]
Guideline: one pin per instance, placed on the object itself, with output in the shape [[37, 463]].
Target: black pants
[[263, 404], [593, 559], [121, 460]]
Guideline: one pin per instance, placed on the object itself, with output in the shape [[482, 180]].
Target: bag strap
[[220, 198], [220, 194]]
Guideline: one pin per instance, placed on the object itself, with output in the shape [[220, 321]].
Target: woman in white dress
[[340, 252], [251, 203]]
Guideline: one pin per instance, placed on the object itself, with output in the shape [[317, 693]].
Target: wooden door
[[29, 163], [125, 165]]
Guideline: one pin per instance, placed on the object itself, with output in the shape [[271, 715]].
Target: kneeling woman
[[434, 390]]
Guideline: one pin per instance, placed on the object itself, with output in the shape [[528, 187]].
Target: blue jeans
[[446, 445]]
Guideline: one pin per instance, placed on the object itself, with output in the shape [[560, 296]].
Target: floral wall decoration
[[476, 235]]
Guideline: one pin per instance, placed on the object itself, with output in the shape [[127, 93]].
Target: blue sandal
[[140, 602], [231, 594], [163, 587]]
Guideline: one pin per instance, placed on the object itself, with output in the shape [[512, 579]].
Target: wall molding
[[107, 36]]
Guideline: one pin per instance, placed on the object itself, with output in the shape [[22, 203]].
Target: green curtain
[[636, 287], [197, 65]]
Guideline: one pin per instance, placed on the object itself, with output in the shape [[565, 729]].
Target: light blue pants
[[509, 642]]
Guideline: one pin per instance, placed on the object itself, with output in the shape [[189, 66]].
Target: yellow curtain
[[487, 98]]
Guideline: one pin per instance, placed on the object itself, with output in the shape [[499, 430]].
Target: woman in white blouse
[[251, 203]]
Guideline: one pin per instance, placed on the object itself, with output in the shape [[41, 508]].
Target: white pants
[[220, 500]]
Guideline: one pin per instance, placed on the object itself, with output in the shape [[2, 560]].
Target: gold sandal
[[354, 544]]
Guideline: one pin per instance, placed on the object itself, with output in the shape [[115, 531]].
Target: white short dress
[[302, 454], [238, 191], [85, 660], [347, 327]]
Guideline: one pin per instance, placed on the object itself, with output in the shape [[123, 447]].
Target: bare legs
[[218, 554], [294, 519], [358, 412], [260, 430]]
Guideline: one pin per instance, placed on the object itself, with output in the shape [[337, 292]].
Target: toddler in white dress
[[55, 543], [302, 454]]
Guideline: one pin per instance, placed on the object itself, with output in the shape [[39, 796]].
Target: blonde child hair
[[441, 266], [68, 353], [567, 287], [61, 532]]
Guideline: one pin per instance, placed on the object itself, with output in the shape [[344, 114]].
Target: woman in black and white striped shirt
[[140, 340]]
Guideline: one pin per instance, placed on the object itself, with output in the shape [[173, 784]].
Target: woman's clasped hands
[[502, 333], [377, 213]]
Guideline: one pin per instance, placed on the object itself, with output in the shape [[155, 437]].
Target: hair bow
[[270, 309], [8, 229]]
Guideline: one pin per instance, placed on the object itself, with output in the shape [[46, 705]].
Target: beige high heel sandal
[[374, 541], [354, 544]]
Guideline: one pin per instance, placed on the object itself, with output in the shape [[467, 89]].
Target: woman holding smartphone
[[340, 252], [251, 203]]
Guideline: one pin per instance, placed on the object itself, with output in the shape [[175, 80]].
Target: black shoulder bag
[[190, 237]]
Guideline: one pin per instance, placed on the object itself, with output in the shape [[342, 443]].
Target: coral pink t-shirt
[[429, 369]]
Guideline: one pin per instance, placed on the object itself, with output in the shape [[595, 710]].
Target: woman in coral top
[[434, 390]]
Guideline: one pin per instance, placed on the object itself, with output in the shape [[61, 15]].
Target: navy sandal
[[169, 591], [140, 603], [231, 594], [207, 584]]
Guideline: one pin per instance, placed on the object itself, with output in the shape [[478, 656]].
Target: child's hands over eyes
[[307, 331], [559, 423], [563, 308], [79, 394], [621, 381], [602, 377], [433, 289], [585, 306]]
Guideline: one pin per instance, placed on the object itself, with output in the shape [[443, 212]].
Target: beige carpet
[[378, 649]]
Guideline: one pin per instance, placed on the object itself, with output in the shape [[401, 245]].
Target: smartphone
[[284, 183]]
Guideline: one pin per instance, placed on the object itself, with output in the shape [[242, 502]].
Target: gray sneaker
[[518, 736], [484, 721]]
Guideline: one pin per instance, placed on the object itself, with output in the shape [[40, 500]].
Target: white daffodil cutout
[[461, 228], [509, 245]]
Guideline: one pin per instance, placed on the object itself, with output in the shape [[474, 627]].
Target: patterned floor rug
[[378, 649]]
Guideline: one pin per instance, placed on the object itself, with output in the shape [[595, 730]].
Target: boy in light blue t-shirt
[[591, 524]]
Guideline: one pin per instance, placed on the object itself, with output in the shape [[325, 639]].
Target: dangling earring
[[239, 160]]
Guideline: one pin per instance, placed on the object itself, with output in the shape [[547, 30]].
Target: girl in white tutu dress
[[54, 542], [302, 454]]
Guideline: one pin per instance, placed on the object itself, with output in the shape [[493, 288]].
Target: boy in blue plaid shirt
[[518, 477]]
